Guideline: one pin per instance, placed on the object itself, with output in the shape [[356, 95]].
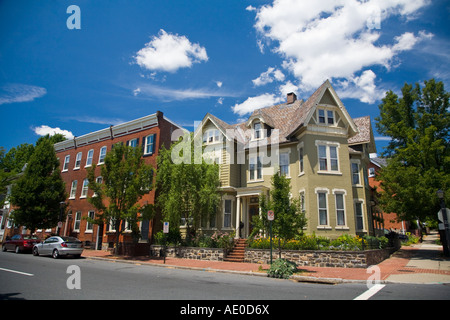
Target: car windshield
[[26, 237], [70, 239]]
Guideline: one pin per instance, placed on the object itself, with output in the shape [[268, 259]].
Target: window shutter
[[153, 142]]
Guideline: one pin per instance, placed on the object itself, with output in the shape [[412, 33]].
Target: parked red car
[[20, 243]]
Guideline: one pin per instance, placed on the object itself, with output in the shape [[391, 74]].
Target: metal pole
[[270, 226], [446, 229]]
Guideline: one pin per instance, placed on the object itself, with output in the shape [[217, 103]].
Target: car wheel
[[35, 251], [55, 254], [17, 249]]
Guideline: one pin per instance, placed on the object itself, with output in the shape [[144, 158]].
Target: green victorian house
[[314, 143]]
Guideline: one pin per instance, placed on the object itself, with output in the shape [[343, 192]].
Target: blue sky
[[187, 58]]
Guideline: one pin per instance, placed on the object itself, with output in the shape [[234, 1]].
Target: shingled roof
[[288, 118]]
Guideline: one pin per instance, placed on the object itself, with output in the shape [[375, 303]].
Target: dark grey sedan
[[57, 246]]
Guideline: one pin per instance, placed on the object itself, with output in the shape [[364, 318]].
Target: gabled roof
[[289, 118]]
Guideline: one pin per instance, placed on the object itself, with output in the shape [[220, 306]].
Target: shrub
[[282, 268]]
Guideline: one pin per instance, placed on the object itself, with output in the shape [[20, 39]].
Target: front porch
[[247, 206]]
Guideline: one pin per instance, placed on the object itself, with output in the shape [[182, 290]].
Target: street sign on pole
[[270, 215], [166, 227]]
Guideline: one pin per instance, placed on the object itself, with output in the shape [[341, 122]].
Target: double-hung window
[[325, 116], [76, 226], [227, 213], [355, 173], [359, 215], [78, 160], [257, 129], [101, 157], [66, 163], [328, 156], [73, 189], [255, 168], [323, 208], [300, 156], [133, 142], [340, 209], [90, 155], [84, 190], [284, 164], [149, 144], [89, 224]]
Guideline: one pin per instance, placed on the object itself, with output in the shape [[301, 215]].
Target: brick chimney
[[291, 97]]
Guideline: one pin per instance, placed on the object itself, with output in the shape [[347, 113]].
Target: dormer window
[[257, 130], [326, 116], [211, 136]]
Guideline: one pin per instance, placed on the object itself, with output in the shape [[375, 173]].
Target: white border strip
[[369, 293], [14, 271]]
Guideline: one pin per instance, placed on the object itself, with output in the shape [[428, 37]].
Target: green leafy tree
[[187, 186], [37, 194], [126, 178], [418, 123], [289, 216], [13, 161]]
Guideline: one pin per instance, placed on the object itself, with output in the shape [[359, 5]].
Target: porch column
[[238, 216]]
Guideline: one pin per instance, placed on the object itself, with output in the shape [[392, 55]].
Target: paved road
[[23, 276]]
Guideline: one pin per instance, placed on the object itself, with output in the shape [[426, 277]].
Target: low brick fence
[[319, 258], [195, 253]]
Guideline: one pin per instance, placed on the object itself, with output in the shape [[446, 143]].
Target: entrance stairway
[[238, 252]]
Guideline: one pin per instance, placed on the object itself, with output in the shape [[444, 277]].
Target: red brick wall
[[163, 136]]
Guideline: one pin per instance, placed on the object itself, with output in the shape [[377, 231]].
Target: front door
[[253, 210]]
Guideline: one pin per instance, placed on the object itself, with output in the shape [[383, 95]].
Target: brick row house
[[77, 155], [314, 143]]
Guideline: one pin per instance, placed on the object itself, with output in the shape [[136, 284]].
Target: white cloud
[[170, 52], [335, 39], [170, 94], [20, 93], [136, 91], [362, 88], [219, 84], [44, 130], [253, 103], [268, 77]]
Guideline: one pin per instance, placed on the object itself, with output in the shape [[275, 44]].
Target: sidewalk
[[421, 263]]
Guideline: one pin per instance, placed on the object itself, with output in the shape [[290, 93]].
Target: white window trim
[[73, 191], [361, 201], [327, 192], [358, 162], [232, 199], [299, 147], [255, 179], [344, 195], [146, 144], [326, 110], [78, 161], [75, 222], [84, 189], [90, 230], [91, 158], [100, 160], [66, 163], [327, 145], [288, 152]]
